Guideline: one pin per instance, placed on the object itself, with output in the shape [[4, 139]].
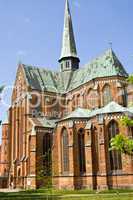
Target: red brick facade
[[44, 133], [22, 140], [4, 156]]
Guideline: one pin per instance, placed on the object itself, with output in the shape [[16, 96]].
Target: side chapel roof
[[110, 108]]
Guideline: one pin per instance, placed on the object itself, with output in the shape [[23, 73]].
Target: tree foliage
[[44, 169], [130, 79], [127, 122], [121, 142]]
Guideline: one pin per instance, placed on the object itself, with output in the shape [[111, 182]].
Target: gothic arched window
[[92, 99], [47, 143], [65, 151], [81, 151], [114, 156], [107, 96], [78, 100], [68, 107], [124, 97], [74, 103], [95, 150]]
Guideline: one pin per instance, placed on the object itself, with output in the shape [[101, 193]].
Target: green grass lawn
[[49, 194]]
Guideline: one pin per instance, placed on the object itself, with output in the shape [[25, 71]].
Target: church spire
[[69, 59]]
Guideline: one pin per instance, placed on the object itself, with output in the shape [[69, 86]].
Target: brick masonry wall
[[26, 141]]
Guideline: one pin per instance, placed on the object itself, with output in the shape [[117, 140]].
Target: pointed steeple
[[69, 59]]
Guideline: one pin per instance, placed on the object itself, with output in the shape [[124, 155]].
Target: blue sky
[[31, 31]]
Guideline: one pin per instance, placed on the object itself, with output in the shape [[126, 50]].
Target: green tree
[[44, 169], [130, 79], [121, 142]]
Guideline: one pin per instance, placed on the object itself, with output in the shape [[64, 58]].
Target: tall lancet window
[[92, 99], [107, 96], [81, 151], [47, 144], [114, 156], [65, 151]]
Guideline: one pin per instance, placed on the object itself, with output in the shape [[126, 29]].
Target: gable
[[20, 84]]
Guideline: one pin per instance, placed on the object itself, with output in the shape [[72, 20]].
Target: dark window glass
[[65, 151], [67, 64], [124, 97], [107, 96], [95, 150], [47, 153], [114, 156], [81, 149]]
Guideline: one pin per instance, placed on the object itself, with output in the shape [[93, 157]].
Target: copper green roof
[[78, 113], [43, 122], [41, 79], [106, 65], [112, 107], [68, 42], [130, 109]]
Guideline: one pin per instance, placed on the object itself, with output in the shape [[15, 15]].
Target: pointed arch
[[114, 156], [65, 150], [78, 98], [107, 95]]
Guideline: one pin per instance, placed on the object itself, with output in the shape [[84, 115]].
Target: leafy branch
[[123, 144], [120, 142]]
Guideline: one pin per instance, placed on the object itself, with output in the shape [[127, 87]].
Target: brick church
[[61, 123]]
